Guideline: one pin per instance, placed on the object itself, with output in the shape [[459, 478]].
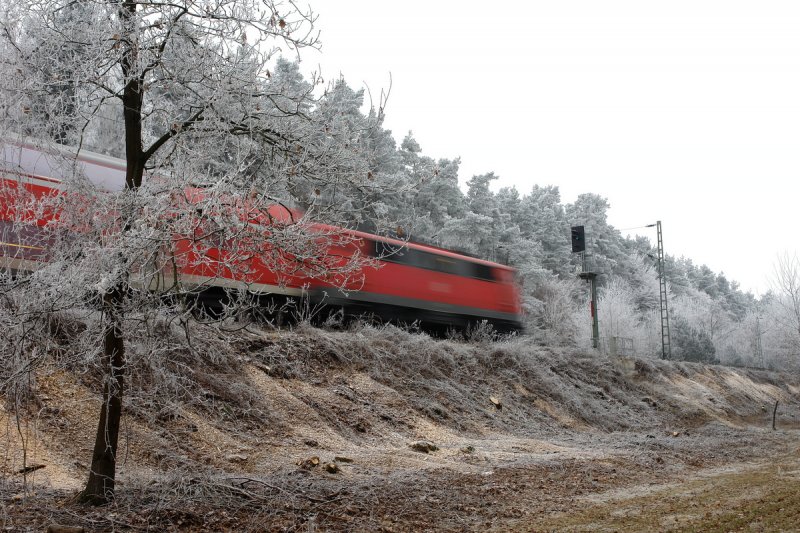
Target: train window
[[483, 272], [416, 258], [448, 265], [393, 253]]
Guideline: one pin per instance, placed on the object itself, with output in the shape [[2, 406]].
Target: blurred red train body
[[417, 282], [401, 281]]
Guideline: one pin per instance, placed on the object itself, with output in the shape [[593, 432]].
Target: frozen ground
[[313, 430]]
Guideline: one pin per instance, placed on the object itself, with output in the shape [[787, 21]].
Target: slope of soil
[[384, 430]]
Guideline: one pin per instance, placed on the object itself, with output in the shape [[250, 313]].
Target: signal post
[[579, 246]]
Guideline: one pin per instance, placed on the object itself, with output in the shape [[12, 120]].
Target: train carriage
[[395, 280], [418, 282]]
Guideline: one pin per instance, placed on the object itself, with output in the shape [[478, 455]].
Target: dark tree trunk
[[100, 486]]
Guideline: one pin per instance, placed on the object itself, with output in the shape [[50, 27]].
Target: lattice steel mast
[[666, 349]]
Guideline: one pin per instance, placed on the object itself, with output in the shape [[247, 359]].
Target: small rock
[[496, 401], [236, 458], [309, 463], [676, 434], [468, 449], [332, 468], [311, 443], [342, 459], [423, 446]]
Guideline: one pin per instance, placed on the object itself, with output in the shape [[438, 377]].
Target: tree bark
[[99, 488]]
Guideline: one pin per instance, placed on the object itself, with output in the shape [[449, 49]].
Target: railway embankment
[[370, 429]]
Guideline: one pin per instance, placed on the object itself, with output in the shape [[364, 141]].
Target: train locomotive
[[397, 280]]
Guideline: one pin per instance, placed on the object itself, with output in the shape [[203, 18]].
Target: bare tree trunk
[[99, 488]]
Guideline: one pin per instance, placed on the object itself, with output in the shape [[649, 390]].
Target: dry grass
[[218, 419]]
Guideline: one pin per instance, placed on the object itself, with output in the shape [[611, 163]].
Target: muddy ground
[[377, 429]]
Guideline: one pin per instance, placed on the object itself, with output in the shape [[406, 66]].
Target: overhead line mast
[[666, 348]]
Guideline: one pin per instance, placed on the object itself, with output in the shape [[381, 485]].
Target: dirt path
[[759, 495]]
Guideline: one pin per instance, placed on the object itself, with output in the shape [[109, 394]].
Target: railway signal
[[578, 239], [579, 246]]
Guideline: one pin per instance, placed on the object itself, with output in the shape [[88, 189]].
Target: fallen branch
[[29, 469], [56, 528]]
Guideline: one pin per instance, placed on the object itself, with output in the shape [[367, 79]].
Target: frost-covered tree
[[501, 234], [471, 233], [690, 343], [619, 317], [374, 192], [704, 314], [542, 220], [557, 312], [437, 201], [431, 198], [205, 108], [782, 307], [745, 344]]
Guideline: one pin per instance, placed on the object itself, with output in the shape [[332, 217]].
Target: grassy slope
[[237, 413]]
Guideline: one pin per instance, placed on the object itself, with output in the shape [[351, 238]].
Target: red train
[[396, 280]]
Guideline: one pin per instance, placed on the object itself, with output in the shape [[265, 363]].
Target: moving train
[[396, 281]]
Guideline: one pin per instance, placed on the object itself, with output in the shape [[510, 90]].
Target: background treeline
[[419, 197]]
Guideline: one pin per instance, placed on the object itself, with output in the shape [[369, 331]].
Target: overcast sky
[[683, 111]]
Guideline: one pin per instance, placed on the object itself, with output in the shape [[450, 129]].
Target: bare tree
[[784, 307], [200, 113]]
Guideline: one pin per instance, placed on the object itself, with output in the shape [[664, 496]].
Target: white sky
[[682, 111]]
